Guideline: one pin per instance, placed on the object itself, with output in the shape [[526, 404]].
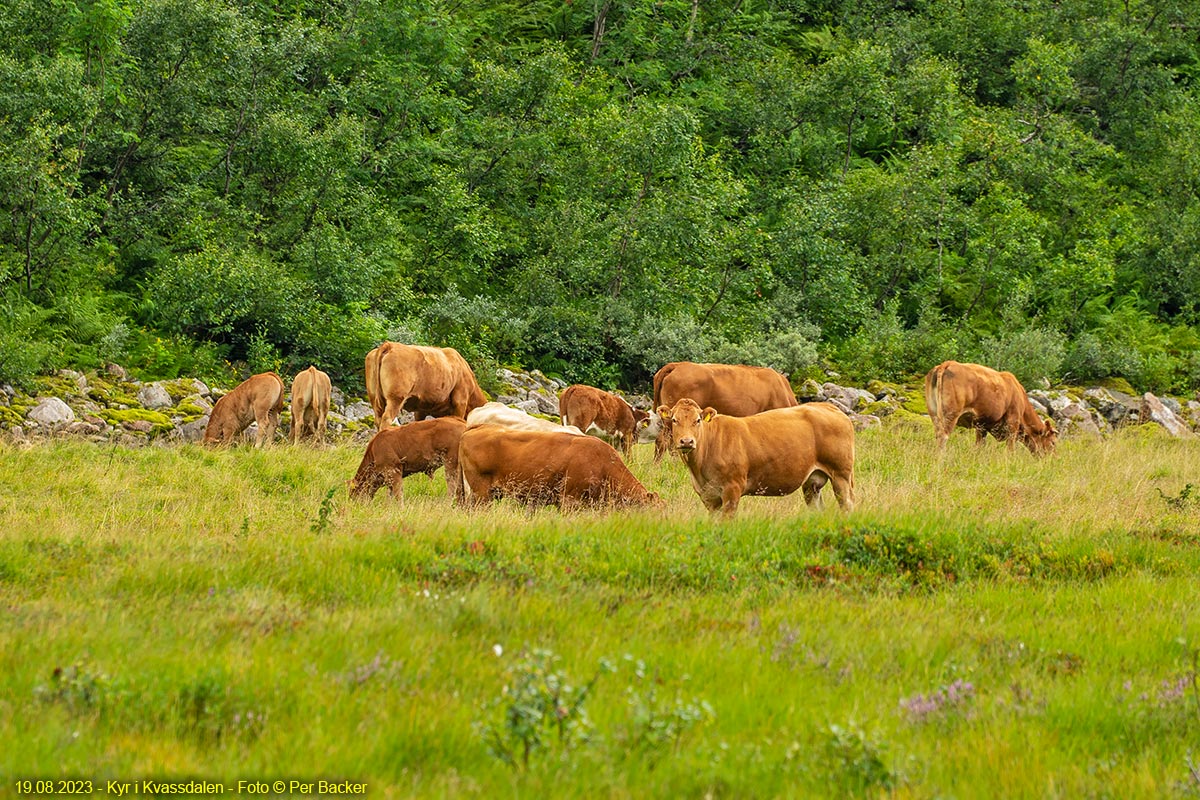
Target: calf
[[597, 412], [773, 453], [311, 391], [259, 399], [406, 450]]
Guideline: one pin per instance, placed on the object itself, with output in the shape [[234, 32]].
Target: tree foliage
[[596, 187]]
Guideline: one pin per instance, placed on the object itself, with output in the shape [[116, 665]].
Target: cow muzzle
[[686, 445]]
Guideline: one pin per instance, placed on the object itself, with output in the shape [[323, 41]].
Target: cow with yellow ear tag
[[773, 453]]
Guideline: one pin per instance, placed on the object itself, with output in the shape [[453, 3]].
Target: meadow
[[984, 624]]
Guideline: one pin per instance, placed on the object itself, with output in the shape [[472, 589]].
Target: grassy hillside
[[983, 625]]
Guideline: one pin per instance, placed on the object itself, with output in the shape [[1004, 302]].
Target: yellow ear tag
[[708, 416]]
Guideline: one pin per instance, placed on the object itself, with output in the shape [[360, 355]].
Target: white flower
[[498, 650]]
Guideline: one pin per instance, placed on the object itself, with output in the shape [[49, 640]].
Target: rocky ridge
[[109, 406]]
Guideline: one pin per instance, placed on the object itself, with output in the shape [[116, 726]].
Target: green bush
[[1032, 354]]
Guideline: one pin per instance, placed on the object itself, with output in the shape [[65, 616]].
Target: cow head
[[1041, 442], [645, 426], [685, 422]]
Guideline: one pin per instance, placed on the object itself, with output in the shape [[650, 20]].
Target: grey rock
[[1116, 407], [200, 387], [1039, 406], [1173, 404], [508, 399], [78, 378], [355, 412], [528, 406], [1076, 419], [190, 431], [116, 371], [1153, 410], [154, 396], [198, 400], [138, 425], [809, 390], [865, 421], [51, 411], [1053, 402], [337, 399]]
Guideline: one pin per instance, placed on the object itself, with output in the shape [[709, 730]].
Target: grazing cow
[[515, 419], [974, 396], [772, 453], [259, 399], [600, 413], [406, 450], [545, 468], [429, 381], [735, 390], [311, 391]]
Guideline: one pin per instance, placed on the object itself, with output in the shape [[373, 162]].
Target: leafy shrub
[[655, 341], [859, 760], [22, 355], [538, 707], [1032, 354], [884, 349]]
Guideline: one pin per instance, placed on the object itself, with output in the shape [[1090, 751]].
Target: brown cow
[[311, 391], [735, 390], [429, 381], [595, 411], [545, 468], [772, 453], [259, 399], [396, 453], [974, 396]]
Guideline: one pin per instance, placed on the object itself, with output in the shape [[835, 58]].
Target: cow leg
[[396, 485], [813, 486], [731, 495], [660, 446], [266, 427], [843, 490], [391, 411]]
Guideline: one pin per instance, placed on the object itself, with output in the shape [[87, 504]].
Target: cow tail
[[933, 393], [377, 389], [659, 377], [563, 400]]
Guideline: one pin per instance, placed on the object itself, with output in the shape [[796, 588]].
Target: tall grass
[[187, 612]]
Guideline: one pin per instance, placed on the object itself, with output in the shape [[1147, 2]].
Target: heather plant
[[939, 703]]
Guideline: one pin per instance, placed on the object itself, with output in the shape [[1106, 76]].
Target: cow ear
[[664, 413], [709, 413]]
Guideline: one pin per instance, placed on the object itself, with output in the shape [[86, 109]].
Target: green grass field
[[983, 625]]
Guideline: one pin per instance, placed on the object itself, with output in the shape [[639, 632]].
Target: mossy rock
[[56, 386], [161, 422], [1119, 385], [884, 389], [190, 410], [880, 408], [9, 416], [915, 404]]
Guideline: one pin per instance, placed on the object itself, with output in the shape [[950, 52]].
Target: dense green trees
[[597, 187]]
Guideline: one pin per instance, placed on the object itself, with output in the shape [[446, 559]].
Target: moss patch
[[1119, 385], [9, 416], [161, 422]]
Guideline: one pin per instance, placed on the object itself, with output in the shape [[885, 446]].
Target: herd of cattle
[[738, 429]]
